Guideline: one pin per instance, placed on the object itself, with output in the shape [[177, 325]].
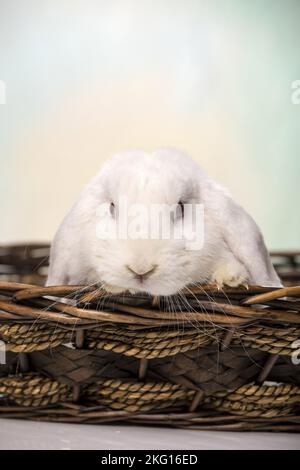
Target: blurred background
[[85, 79]]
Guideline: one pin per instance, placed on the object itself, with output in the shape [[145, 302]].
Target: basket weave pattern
[[210, 359]]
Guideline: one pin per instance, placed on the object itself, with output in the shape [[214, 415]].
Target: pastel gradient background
[[87, 78]]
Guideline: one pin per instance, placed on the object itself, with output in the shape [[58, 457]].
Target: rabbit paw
[[113, 289], [233, 276]]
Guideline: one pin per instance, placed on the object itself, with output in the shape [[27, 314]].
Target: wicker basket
[[209, 359]]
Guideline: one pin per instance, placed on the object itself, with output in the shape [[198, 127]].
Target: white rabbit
[[233, 252]]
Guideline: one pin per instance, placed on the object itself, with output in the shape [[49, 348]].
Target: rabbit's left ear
[[245, 241]]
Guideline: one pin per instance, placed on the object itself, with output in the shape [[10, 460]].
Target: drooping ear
[[244, 239], [58, 265], [68, 248]]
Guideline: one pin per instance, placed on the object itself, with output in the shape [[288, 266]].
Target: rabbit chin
[[152, 288]]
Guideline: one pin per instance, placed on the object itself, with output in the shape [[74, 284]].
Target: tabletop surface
[[18, 434]]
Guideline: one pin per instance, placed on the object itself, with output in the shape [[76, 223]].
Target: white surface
[[17, 434]]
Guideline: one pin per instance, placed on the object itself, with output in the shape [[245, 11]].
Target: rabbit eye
[[112, 209], [181, 209]]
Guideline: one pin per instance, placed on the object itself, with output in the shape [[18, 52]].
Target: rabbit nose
[[141, 275]]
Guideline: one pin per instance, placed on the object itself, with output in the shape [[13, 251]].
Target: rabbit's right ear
[[67, 250], [57, 274]]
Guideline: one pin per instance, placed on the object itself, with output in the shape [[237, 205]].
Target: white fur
[[234, 251]]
